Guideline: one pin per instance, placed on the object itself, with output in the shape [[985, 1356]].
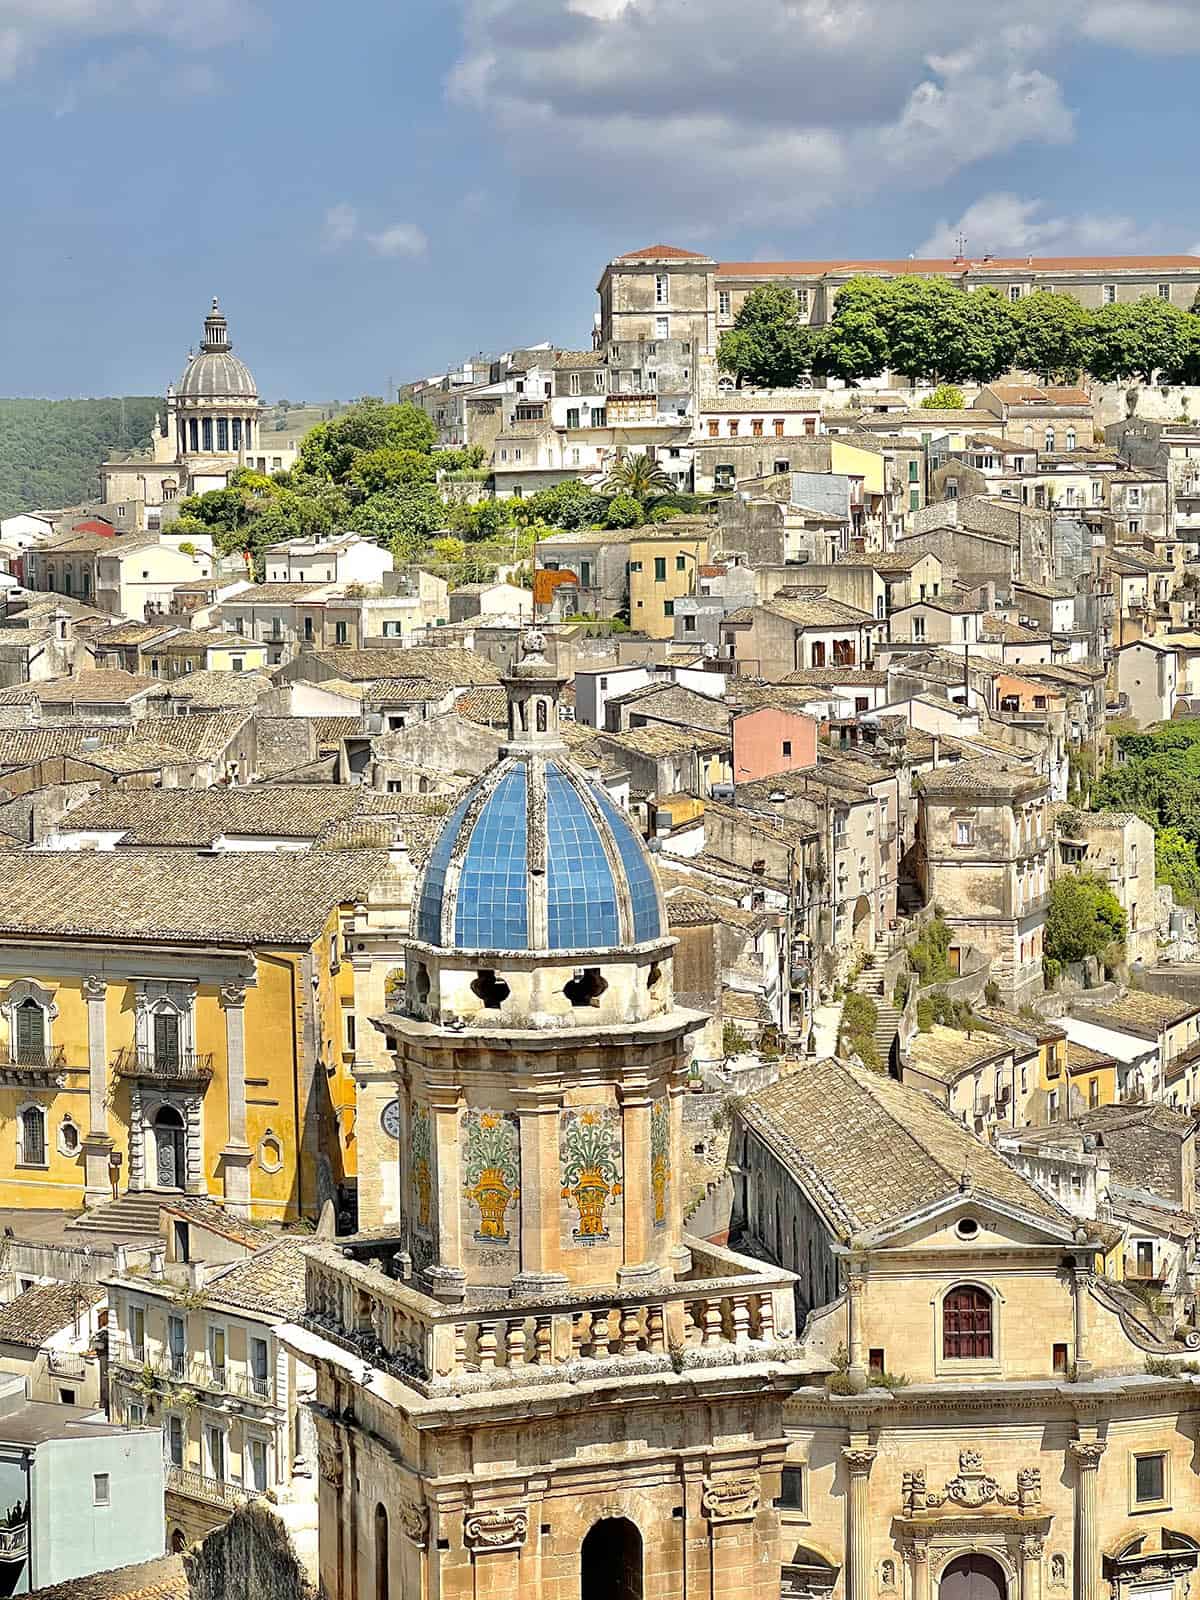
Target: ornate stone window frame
[[270, 1137], [15, 995], [64, 1149], [969, 1366], [43, 1111], [157, 997]]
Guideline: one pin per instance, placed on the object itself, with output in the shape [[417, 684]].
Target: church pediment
[[970, 1219]]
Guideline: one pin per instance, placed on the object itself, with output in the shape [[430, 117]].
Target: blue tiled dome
[[535, 857]]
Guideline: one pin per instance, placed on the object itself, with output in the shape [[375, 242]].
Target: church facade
[[211, 427], [532, 1381]]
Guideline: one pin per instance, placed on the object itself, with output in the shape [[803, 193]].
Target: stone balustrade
[[395, 1328]]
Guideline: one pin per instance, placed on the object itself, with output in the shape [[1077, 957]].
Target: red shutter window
[[967, 1324]]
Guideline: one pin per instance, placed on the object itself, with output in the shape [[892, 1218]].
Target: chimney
[[936, 742]]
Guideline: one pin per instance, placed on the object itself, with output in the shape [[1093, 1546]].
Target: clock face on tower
[[389, 1119]]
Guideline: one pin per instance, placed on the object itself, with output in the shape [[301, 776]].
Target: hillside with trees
[[373, 469], [51, 450]]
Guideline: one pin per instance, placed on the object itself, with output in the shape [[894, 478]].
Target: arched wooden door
[[973, 1577]]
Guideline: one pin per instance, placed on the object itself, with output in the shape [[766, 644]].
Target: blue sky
[[379, 187]]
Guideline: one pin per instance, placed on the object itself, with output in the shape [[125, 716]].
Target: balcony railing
[[37, 1058], [212, 1491], [175, 1066], [743, 1306], [166, 1368]]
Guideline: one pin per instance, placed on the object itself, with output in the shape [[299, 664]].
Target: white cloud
[[652, 112], [1007, 225], [33, 29], [341, 225], [401, 239]]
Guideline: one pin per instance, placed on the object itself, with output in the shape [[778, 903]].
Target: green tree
[[378, 471], [987, 339], [1187, 368], [330, 450], [856, 341], [1135, 340], [1053, 336], [1175, 863], [1084, 919], [768, 344], [946, 397], [935, 330], [569, 505], [640, 477], [624, 512], [401, 520]]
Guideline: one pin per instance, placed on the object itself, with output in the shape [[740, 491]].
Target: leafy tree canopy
[[1084, 919], [768, 345], [946, 397], [1053, 335]]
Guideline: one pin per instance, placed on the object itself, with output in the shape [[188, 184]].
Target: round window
[[967, 1228]]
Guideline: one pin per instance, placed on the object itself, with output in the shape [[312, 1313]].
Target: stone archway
[[610, 1561], [973, 1577], [170, 1148], [861, 921]]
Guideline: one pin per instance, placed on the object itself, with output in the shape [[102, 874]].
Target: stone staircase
[[133, 1216], [887, 1026]]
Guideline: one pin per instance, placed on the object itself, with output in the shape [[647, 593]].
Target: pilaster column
[[97, 1145], [638, 1265], [1086, 1454], [236, 1155], [918, 1566], [1032, 1549], [856, 1289], [1082, 1277], [446, 1277], [859, 1460], [541, 1248]]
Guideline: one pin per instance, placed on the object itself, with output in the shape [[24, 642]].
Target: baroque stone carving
[[233, 992], [413, 1517], [1032, 1547], [858, 1459], [94, 987], [329, 1464], [495, 1529], [1087, 1453], [971, 1488], [730, 1499]]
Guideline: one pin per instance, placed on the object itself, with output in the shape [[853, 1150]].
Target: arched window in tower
[[222, 433], [237, 433], [193, 434], [207, 435]]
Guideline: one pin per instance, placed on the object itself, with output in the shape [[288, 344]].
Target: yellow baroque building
[[180, 1022]]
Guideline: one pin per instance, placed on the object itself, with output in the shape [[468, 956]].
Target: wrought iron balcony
[[178, 1066], [213, 1491], [37, 1058]]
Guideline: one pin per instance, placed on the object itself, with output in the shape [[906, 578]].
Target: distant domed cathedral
[[211, 427]]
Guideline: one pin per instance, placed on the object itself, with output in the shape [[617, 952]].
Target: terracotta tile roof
[[244, 898], [979, 777], [161, 1579], [738, 1006], [330, 731], [20, 746], [1013, 1022], [46, 1309], [275, 594], [217, 1219], [488, 706], [200, 736], [662, 252], [1143, 1144], [217, 690], [871, 1151], [270, 1281], [1139, 1012], [953, 265], [948, 1055], [821, 613], [450, 665], [1011, 632], [1081, 1058], [102, 686], [199, 817], [662, 740]]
